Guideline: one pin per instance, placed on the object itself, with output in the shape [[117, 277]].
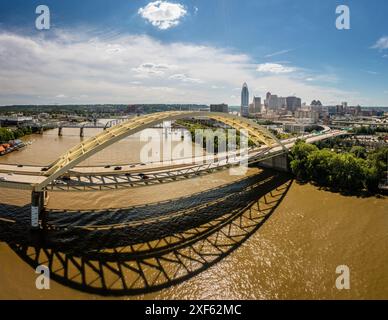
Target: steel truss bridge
[[64, 174], [93, 124], [41, 126]]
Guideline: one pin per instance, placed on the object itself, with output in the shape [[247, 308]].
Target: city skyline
[[180, 52]]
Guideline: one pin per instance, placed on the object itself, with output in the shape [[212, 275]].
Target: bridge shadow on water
[[145, 248]]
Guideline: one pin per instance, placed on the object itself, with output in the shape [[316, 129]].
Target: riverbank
[[7, 134], [11, 146]]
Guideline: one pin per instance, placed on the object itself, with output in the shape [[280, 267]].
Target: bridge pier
[[59, 131], [37, 209], [279, 163]]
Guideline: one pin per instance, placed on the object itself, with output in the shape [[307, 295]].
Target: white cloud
[[278, 53], [381, 44], [34, 70], [329, 77], [163, 14], [184, 78], [149, 69], [275, 68], [371, 72]]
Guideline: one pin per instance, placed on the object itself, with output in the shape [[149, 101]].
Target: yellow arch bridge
[[40, 180]]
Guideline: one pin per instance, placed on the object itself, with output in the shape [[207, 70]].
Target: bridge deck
[[104, 178]]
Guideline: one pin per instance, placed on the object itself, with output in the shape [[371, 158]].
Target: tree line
[[221, 138], [369, 131], [353, 171], [7, 134]]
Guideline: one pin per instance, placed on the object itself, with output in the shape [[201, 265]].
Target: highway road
[[27, 176]]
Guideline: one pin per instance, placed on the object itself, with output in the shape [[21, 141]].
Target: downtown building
[[244, 112], [219, 108], [274, 102], [293, 103], [255, 106], [307, 116]]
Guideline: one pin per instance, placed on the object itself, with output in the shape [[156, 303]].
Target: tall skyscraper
[[345, 106], [251, 108], [273, 102], [282, 101], [244, 100], [257, 104], [293, 103]]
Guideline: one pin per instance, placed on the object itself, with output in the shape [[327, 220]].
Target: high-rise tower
[[244, 100]]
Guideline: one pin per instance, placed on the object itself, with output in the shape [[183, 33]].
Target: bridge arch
[[115, 122], [91, 146]]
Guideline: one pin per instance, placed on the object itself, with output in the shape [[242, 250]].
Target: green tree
[[6, 135], [379, 160], [298, 159], [359, 151], [319, 166], [371, 178], [346, 171]]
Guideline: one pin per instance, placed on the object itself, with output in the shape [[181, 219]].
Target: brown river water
[[258, 236]]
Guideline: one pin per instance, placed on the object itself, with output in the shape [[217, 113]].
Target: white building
[[306, 116]]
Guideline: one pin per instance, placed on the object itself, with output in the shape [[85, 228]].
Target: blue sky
[[200, 51]]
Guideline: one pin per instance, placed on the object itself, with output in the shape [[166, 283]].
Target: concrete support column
[[37, 208], [279, 162]]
